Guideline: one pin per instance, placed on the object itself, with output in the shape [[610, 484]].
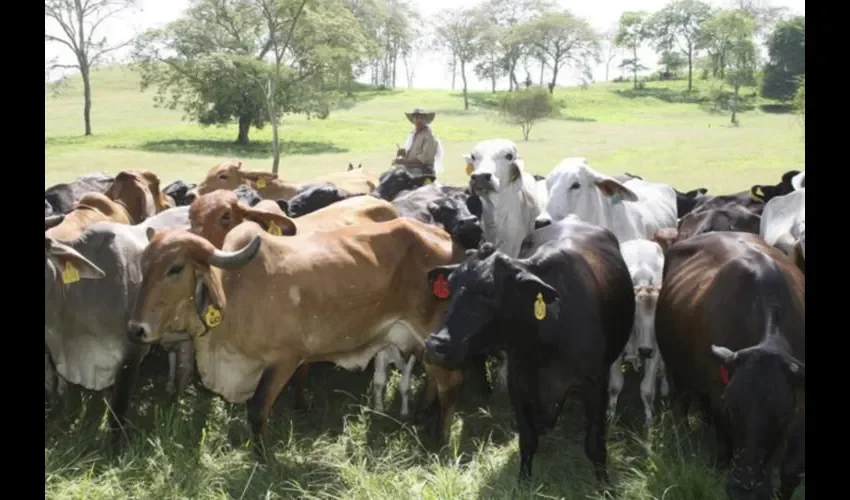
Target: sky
[[431, 71]]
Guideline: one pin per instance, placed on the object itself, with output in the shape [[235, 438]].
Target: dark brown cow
[[563, 311], [730, 323], [731, 217]]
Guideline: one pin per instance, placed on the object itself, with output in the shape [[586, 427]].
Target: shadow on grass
[[663, 94], [255, 149], [777, 108], [574, 118]]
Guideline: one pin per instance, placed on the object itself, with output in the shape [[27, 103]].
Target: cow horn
[[53, 220], [237, 258]]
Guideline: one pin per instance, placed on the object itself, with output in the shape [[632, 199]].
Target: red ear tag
[[441, 287], [724, 375]]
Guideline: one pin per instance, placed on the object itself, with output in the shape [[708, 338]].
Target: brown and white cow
[[264, 305], [730, 323], [215, 214], [133, 197], [230, 175]]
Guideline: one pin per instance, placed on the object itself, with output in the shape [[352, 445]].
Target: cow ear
[[427, 179], [275, 224], [284, 206], [723, 354], [702, 191], [530, 286], [613, 189], [757, 192], [72, 266], [438, 280]]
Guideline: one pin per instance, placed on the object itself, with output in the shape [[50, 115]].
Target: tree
[[527, 107], [78, 22], [489, 66], [411, 57], [562, 39], [458, 31], [786, 48], [672, 62], [679, 24], [633, 30], [609, 49], [213, 61], [739, 30], [800, 98]]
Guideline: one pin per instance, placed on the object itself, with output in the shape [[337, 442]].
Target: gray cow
[[85, 319]]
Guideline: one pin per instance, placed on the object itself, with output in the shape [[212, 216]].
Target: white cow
[[783, 222], [634, 209], [645, 260], [508, 194], [799, 180]]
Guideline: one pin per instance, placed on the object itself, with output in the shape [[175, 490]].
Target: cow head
[[685, 202], [765, 192], [496, 166], [181, 291], [177, 191], [764, 387], [666, 237], [62, 262], [315, 197], [575, 188], [646, 298], [213, 215], [138, 191], [229, 175], [452, 212], [485, 287], [392, 182]]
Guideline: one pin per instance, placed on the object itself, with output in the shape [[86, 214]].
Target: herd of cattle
[[564, 280]]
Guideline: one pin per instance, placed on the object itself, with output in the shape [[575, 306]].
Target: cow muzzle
[[137, 332], [481, 183], [190, 196], [468, 232], [439, 349]]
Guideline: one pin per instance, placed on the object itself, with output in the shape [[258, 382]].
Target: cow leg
[[299, 383], [379, 380], [125, 383], [524, 413], [404, 386], [272, 382], [793, 465], [615, 387], [172, 372], [448, 384], [478, 371], [595, 445], [647, 389], [51, 378], [185, 369], [724, 441], [427, 403], [502, 370]]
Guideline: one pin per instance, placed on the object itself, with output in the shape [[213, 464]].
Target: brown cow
[[215, 214], [229, 175], [133, 197], [259, 308], [730, 324]]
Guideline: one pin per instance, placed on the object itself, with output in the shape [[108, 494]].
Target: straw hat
[[429, 115]]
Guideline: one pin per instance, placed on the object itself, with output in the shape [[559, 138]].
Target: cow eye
[[509, 157], [472, 157], [226, 219], [575, 185], [222, 177], [175, 269]]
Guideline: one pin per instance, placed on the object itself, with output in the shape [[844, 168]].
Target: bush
[[527, 107]]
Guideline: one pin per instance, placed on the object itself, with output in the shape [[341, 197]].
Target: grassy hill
[[645, 132], [198, 448]]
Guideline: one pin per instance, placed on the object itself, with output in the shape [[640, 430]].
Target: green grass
[[197, 448]]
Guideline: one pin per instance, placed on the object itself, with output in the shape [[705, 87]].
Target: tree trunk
[[555, 69], [542, 67], [737, 87], [271, 105], [607, 67], [690, 68], [85, 71], [244, 127], [634, 66], [463, 78], [454, 70], [493, 80]]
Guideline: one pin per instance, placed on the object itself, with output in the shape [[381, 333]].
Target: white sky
[[432, 70]]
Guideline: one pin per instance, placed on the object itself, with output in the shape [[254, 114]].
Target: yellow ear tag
[[539, 307], [758, 195], [70, 274], [261, 182], [213, 316], [426, 181], [274, 230], [469, 169]]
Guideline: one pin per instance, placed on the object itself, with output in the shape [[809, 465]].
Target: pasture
[[198, 447]]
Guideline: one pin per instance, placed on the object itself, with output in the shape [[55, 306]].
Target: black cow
[[765, 192], [686, 202], [731, 217], [177, 190], [397, 180], [62, 198], [444, 206], [316, 196], [730, 325], [563, 311]]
